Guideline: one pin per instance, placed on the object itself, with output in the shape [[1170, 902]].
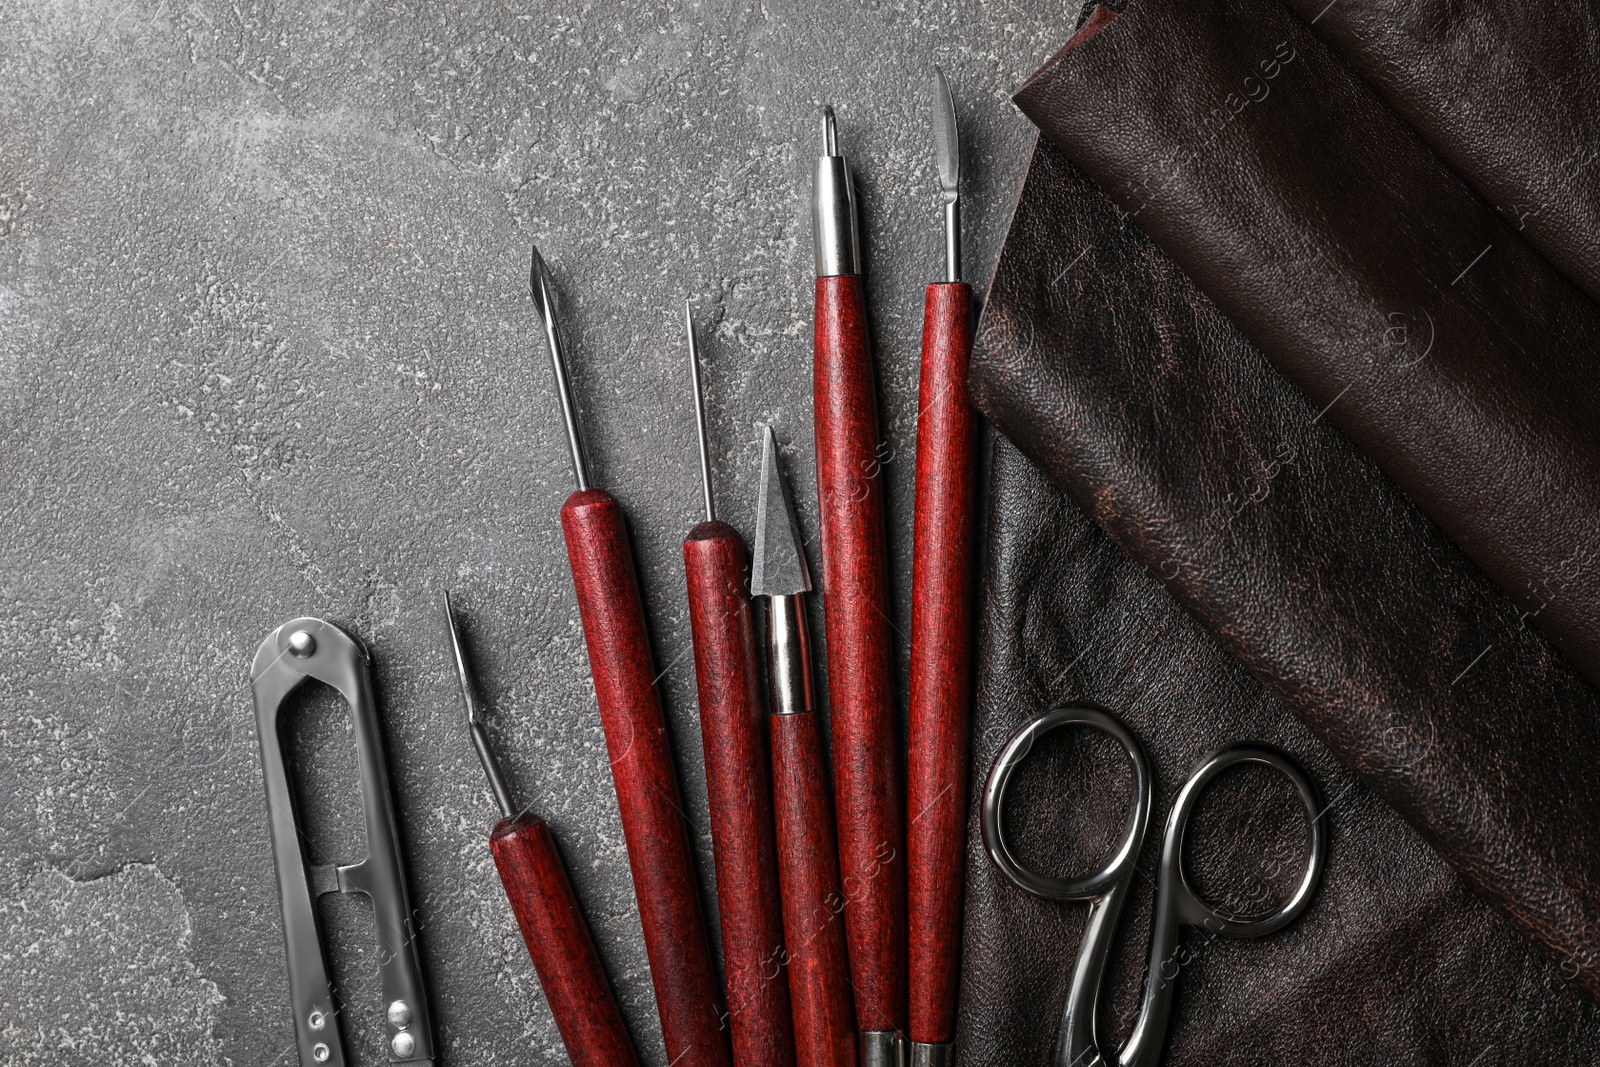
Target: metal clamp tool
[[313, 649]]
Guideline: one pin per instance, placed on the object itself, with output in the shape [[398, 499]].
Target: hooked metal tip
[[699, 414], [830, 132], [480, 737], [544, 300], [778, 567]]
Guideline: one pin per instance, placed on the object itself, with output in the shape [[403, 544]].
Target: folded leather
[[1300, 563], [1374, 277], [1395, 962], [1507, 93]]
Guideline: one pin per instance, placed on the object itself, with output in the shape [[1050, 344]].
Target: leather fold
[[1232, 491], [1412, 314]]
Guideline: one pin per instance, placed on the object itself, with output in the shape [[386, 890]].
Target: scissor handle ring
[[1006, 763], [1193, 908]]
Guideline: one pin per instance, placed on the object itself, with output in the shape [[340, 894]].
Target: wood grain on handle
[[855, 598], [808, 865], [941, 662], [681, 966], [558, 939], [733, 729]]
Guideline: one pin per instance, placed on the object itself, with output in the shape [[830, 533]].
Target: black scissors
[[1177, 904]]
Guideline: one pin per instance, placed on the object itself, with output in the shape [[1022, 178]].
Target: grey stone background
[[266, 349]]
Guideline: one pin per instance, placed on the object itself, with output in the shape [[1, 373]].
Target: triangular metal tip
[[779, 567], [946, 140]]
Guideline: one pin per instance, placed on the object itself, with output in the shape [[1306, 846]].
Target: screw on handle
[[738, 784], [808, 865], [855, 592], [558, 940], [941, 663], [681, 965]]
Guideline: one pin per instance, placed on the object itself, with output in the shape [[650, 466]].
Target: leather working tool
[[737, 782], [312, 649], [1176, 903], [604, 575], [941, 629], [808, 862], [856, 611], [552, 924]]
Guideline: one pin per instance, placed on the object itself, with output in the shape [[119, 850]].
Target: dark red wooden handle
[[941, 662], [681, 966], [855, 597], [813, 926], [733, 730], [558, 939]]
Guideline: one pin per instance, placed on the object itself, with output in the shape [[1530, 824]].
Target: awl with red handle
[[541, 897], [808, 863], [941, 630], [603, 573], [855, 602], [737, 780]]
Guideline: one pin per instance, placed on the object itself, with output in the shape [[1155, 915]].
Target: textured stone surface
[[266, 349]]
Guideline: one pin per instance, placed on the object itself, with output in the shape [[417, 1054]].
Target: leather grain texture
[[1374, 277], [1215, 563], [1509, 98]]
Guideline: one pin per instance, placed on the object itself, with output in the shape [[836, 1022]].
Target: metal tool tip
[[779, 564], [830, 132], [699, 415], [461, 660], [946, 142]]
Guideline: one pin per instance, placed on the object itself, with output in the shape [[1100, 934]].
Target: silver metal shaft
[[480, 737], [788, 655], [699, 414], [947, 154], [544, 300], [836, 239]]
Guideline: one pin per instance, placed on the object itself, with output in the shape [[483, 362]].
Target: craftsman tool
[[313, 649], [941, 629], [541, 897], [604, 575], [808, 863], [856, 611], [737, 782], [1176, 904]]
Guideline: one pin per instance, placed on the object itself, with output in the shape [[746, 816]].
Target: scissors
[[1176, 905]]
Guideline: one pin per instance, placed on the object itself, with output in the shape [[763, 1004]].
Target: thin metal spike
[[830, 132], [699, 414], [544, 301], [779, 564], [480, 737]]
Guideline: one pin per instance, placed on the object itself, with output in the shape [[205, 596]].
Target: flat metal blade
[[946, 144], [779, 567]]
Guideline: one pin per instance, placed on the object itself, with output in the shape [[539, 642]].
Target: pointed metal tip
[[779, 564], [830, 132], [461, 660], [539, 283], [699, 414]]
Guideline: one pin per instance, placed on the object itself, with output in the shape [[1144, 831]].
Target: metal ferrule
[[788, 655], [924, 1054], [834, 230], [882, 1048], [952, 241]]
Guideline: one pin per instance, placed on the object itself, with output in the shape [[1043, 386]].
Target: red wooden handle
[[563, 953], [737, 784], [855, 597], [941, 662], [819, 970], [681, 967]]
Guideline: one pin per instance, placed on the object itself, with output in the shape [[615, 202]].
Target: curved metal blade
[[779, 567], [946, 145]]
